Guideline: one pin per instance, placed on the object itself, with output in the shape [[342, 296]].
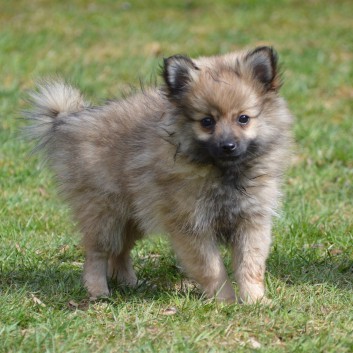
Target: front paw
[[95, 294], [260, 300], [252, 293], [96, 287]]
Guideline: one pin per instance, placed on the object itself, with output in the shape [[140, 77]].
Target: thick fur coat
[[199, 159]]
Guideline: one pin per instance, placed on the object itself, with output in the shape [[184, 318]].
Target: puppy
[[199, 159]]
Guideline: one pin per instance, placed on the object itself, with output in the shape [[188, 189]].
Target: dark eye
[[208, 122], [243, 119]]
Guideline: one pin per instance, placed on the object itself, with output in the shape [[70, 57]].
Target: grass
[[107, 45]]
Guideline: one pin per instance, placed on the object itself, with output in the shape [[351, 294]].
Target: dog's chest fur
[[222, 203], [200, 202]]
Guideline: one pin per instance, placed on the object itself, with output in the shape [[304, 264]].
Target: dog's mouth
[[229, 161]]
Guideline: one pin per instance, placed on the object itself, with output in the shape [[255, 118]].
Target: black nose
[[228, 147]]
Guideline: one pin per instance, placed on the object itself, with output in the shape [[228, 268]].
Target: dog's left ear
[[262, 62], [179, 72]]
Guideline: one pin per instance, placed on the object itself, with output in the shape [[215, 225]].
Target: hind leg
[[120, 269], [102, 235], [120, 265], [95, 273]]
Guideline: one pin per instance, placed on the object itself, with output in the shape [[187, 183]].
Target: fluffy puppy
[[199, 159]]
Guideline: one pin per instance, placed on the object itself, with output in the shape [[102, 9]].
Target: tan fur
[[148, 164]]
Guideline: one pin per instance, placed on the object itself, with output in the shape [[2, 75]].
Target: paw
[[265, 301], [127, 279], [98, 294], [255, 300], [124, 277], [96, 289], [225, 294], [252, 293]]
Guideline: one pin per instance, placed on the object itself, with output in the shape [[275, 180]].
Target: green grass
[[105, 46]]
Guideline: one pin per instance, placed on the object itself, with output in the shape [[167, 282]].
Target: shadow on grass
[[58, 284], [312, 268]]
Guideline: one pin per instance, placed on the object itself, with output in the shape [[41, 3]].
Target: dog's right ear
[[178, 73]]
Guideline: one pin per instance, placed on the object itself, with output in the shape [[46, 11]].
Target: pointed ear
[[262, 62], [178, 72]]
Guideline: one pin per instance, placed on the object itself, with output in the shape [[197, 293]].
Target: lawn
[[104, 47]]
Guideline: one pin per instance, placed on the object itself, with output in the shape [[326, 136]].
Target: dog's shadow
[[312, 269], [59, 284]]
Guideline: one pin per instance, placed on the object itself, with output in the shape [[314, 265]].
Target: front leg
[[250, 250], [201, 260]]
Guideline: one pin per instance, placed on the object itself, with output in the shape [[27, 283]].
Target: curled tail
[[50, 102]]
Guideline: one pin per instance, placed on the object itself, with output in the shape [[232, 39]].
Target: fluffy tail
[[51, 101]]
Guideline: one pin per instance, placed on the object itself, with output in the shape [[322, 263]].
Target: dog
[[200, 158]]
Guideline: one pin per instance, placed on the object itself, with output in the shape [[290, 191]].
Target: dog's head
[[226, 106]]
